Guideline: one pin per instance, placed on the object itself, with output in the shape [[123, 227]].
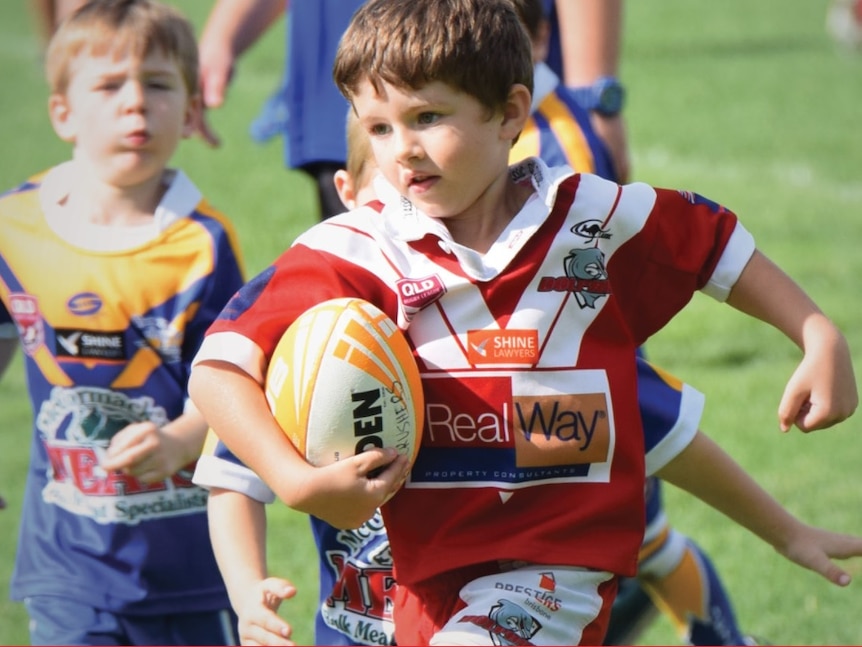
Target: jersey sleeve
[[686, 243], [218, 467], [253, 321], [671, 411], [223, 282]]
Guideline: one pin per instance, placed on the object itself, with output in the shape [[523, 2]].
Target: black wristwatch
[[605, 96]]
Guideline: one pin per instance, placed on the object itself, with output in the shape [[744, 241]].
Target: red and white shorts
[[507, 604]]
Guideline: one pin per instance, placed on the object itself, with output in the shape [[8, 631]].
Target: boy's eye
[[378, 130], [427, 118], [159, 85]]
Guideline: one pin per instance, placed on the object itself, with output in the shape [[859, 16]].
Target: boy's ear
[[516, 111], [61, 117], [194, 115], [344, 188]]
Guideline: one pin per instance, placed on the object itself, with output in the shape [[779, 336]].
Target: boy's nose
[[133, 95], [407, 146]]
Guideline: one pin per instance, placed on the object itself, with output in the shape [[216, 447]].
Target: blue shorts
[[61, 621]]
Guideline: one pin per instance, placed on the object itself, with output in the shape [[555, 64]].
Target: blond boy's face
[[435, 145], [124, 116]]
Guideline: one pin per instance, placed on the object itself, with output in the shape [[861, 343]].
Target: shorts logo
[[507, 623], [502, 347], [24, 309], [418, 293]]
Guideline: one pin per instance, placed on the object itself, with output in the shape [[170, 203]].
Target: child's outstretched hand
[[815, 548], [822, 390], [259, 622]]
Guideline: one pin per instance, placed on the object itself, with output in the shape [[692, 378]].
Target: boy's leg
[[63, 621], [203, 628], [633, 611]]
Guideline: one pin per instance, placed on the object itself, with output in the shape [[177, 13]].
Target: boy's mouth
[[421, 182], [137, 138]]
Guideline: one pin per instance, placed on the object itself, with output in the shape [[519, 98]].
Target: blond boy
[[111, 268]]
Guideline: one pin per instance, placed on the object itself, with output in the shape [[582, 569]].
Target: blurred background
[[755, 105]]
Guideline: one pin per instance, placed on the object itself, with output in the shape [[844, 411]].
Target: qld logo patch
[[24, 309], [416, 294]]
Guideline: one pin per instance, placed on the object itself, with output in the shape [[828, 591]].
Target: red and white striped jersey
[[533, 447]]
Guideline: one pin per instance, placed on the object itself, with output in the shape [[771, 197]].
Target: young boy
[[356, 581], [526, 500], [112, 267]]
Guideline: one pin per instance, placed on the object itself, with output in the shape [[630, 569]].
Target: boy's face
[[125, 116], [436, 145]]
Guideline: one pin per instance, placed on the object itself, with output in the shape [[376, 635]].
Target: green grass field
[[746, 102]]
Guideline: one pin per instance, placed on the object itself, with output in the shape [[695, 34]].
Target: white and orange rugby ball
[[342, 380]]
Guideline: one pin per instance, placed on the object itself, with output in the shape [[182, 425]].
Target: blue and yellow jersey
[[559, 130], [108, 337]]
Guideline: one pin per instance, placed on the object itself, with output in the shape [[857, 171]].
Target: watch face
[[610, 99]]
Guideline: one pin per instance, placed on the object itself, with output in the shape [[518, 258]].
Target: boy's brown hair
[[478, 47], [120, 27]]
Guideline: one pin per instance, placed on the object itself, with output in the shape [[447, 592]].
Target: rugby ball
[[343, 379]]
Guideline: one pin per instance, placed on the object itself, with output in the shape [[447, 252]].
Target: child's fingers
[[275, 590], [820, 547]]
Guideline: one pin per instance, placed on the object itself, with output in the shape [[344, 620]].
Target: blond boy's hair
[[122, 27], [478, 47], [360, 159]]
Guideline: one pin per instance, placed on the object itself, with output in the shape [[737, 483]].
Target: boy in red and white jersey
[[525, 292]]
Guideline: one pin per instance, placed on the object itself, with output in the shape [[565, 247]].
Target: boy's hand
[[822, 390], [815, 548], [145, 451], [259, 622], [347, 493]]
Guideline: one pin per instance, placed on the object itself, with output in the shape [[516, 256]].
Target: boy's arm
[[590, 45], [238, 534], [822, 391], [706, 471], [231, 28], [151, 453], [342, 494]]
